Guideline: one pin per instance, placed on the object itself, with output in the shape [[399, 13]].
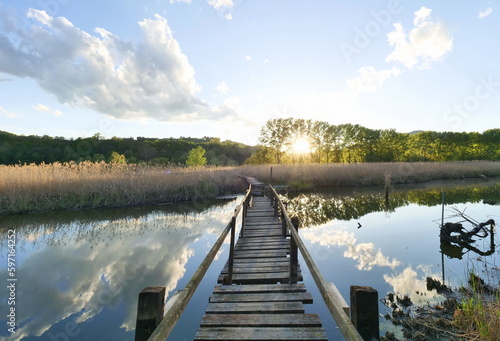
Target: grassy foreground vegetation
[[48, 187], [59, 186], [479, 318]]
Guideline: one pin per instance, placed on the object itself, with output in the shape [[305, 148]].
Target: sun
[[301, 146]]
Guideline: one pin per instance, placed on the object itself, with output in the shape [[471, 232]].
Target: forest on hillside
[[326, 143], [15, 149], [349, 143]]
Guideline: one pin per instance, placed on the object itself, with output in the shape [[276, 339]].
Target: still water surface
[[79, 273]]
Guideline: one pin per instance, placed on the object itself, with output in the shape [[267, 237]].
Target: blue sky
[[222, 68]]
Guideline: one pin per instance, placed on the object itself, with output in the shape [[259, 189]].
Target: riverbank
[[469, 312], [50, 187], [371, 174]]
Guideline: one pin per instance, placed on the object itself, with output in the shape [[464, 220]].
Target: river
[[78, 273]]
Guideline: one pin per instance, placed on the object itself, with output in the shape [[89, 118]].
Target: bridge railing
[[156, 319], [333, 299]]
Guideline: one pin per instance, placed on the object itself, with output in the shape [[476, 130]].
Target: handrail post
[[294, 253], [149, 312], [229, 278], [364, 311], [276, 204], [284, 224], [244, 215]]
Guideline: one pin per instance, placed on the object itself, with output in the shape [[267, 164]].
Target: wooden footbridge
[[259, 295]]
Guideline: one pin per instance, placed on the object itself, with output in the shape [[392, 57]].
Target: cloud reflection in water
[[366, 254], [82, 270]]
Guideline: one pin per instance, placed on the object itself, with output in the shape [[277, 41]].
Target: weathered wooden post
[[364, 311], [149, 312], [294, 252], [246, 204], [229, 278], [276, 204], [283, 221]]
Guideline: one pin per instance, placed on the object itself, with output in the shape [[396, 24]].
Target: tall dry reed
[[46, 187], [367, 174]]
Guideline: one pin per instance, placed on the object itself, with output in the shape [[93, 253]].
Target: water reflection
[[366, 255], [344, 204], [356, 238], [90, 268]]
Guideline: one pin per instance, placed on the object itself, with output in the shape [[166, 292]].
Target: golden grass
[[367, 174], [47, 187]]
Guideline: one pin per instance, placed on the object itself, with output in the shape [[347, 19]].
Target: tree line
[[15, 149], [355, 143]]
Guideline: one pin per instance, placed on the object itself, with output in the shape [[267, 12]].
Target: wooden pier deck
[[259, 295], [263, 302]]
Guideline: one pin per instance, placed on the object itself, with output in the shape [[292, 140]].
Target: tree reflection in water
[[392, 245], [316, 208]]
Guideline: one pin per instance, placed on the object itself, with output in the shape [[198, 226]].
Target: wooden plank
[[264, 288], [270, 239], [257, 207], [262, 247], [262, 260], [265, 220], [259, 254], [261, 278], [256, 308], [257, 269], [303, 297], [260, 213], [250, 333], [264, 233], [261, 320], [261, 226]]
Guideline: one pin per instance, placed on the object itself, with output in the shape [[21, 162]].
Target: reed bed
[[48, 187], [368, 174]]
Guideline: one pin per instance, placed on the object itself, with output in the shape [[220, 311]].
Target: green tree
[[196, 157], [117, 158], [276, 135], [261, 156]]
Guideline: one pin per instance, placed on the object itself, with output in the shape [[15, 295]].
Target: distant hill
[[16, 149]]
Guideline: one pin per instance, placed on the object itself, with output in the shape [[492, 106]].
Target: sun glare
[[301, 146]]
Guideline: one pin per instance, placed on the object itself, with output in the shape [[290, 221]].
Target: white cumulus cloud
[[43, 108], [222, 88], [150, 78], [224, 7], [370, 79], [485, 13], [7, 113], [428, 41]]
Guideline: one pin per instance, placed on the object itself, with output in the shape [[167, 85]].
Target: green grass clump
[[479, 318]]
